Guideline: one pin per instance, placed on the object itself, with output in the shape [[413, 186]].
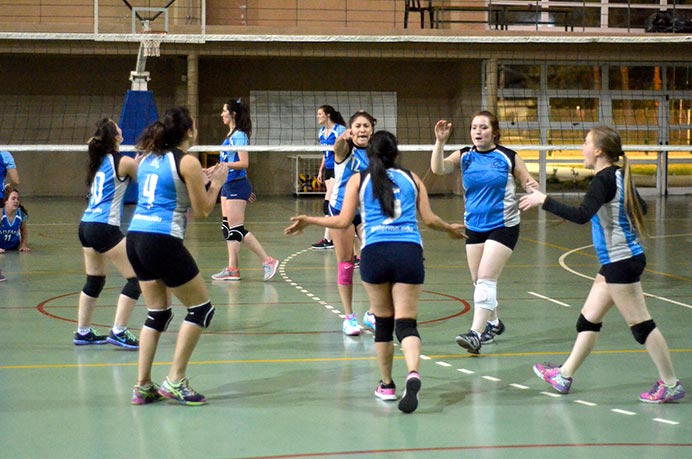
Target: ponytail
[[633, 206]]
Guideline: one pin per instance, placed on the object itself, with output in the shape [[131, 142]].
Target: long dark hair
[[167, 133], [383, 151], [102, 142], [240, 111], [7, 196], [333, 114], [363, 113]]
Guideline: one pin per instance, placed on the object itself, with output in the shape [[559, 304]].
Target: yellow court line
[[321, 359]]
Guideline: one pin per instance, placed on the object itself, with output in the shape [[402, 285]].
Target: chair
[[415, 6]]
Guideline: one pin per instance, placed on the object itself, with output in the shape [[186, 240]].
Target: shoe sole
[[170, 396], [225, 278], [88, 343], [409, 401], [353, 333], [123, 345], [540, 375], [386, 398], [673, 399], [466, 345]]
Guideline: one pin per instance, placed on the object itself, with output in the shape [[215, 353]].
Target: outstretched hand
[[457, 231], [297, 227], [533, 198]]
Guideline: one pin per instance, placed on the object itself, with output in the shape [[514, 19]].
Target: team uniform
[[100, 225], [492, 208], [155, 237], [392, 248], [6, 162], [10, 236], [237, 185], [356, 161], [619, 251], [329, 138]]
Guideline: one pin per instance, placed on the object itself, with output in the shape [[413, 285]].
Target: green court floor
[[284, 382]]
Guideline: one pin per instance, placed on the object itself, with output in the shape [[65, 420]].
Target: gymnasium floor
[[283, 382]]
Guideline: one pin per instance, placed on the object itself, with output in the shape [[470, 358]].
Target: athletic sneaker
[[659, 393], [470, 342], [488, 335], [124, 339], [228, 273], [369, 320], [270, 266], [143, 395], [386, 392], [350, 326], [323, 245], [181, 392], [2, 277], [550, 373], [90, 338], [409, 401]]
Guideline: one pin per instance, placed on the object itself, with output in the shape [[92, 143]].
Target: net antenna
[[149, 40]]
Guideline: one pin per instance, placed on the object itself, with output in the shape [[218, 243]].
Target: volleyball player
[[392, 255], [236, 193], [108, 174], [333, 125], [14, 229], [616, 212], [489, 172], [171, 183], [9, 178]]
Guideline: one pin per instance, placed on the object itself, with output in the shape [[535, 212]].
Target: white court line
[[551, 394], [584, 402], [520, 386], [628, 413], [666, 421], [465, 371], [443, 364], [491, 378], [424, 357], [550, 299]]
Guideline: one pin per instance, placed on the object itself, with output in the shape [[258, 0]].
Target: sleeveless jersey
[[6, 162], [356, 161], [163, 200], [10, 236], [378, 227], [329, 138], [489, 188], [107, 193], [237, 139]]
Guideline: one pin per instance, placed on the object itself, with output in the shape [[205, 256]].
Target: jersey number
[[149, 188], [97, 188]]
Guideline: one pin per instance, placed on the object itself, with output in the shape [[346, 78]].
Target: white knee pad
[[485, 294]]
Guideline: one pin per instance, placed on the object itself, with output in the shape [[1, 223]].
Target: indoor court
[[282, 381]]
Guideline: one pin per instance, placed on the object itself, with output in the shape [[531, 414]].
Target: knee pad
[[584, 325], [406, 328], [131, 289], [94, 285], [642, 330], [158, 319], [384, 329], [235, 233], [325, 207], [345, 275], [485, 294], [200, 315]]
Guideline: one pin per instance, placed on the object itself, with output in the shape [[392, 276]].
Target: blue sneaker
[[369, 320], [90, 338], [491, 331], [124, 339]]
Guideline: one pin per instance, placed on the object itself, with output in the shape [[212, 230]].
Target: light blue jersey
[[6, 162], [107, 193], [237, 139], [356, 161], [329, 138], [163, 200], [10, 235], [378, 227], [489, 189]]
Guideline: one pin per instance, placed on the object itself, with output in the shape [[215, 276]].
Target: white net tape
[[152, 46]]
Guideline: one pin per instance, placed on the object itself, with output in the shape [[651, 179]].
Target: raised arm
[[342, 146], [438, 163]]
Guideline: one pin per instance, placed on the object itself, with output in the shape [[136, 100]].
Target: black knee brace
[[235, 233], [200, 315], [584, 325], [131, 289], [325, 207], [406, 328], [158, 319], [384, 329], [94, 285], [642, 330]]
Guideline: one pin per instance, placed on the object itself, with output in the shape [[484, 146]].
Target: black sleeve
[[601, 190]]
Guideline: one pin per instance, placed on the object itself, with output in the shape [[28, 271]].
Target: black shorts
[[504, 235], [392, 262], [101, 237], [357, 220], [627, 271], [239, 189], [159, 256], [327, 174]]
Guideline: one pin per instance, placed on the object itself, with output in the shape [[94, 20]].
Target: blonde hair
[[609, 142]]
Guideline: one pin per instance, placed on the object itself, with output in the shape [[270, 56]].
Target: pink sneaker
[[551, 374], [386, 391], [659, 393]]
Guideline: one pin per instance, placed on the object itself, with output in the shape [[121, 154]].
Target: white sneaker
[[350, 326], [369, 320], [269, 266]]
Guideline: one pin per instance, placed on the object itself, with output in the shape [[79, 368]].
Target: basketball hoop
[[151, 44]]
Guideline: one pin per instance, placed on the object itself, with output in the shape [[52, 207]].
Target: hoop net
[[151, 45]]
